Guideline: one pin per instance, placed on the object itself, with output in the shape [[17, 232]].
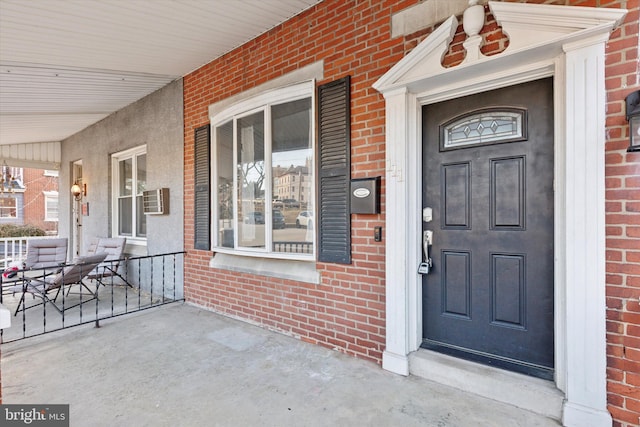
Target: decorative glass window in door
[[484, 127]]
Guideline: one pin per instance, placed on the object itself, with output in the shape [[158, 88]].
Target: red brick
[[615, 400], [623, 415], [633, 231], [614, 279], [622, 268], [614, 375], [614, 231], [613, 206], [633, 379], [633, 405]]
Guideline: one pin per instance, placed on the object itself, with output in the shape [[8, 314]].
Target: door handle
[[427, 237], [427, 241]]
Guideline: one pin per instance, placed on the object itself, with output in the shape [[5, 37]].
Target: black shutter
[[202, 205], [334, 171]]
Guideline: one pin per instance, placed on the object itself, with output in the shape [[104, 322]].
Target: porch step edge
[[529, 393]]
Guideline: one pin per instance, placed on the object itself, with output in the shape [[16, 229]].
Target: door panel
[[489, 294], [456, 191], [456, 283], [507, 193]]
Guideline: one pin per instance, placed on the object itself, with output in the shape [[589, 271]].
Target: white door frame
[[565, 42]]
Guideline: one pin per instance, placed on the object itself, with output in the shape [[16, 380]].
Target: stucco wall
[[157, 121]]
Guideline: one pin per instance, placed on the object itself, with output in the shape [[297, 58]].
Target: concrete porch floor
[[179, 365]]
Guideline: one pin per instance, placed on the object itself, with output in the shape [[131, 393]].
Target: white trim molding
[[403, 194], [568, 43], [584, 237]]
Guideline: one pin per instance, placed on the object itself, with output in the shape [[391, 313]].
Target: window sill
[[136, 248], [301, 271]]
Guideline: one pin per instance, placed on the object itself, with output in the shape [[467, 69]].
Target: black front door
[[488, 179]]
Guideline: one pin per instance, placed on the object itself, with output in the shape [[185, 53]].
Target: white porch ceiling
[[66, 64]]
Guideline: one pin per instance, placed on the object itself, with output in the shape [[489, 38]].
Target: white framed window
[[129, 171], [50, 205], [257, 145], [8, 206]]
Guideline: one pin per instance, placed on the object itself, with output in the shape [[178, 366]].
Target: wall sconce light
[[78, 192], [633, 117]]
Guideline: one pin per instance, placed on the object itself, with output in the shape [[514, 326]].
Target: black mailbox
[[365, 195]]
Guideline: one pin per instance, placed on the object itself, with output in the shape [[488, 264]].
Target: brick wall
[[623, 224], [346, 311]]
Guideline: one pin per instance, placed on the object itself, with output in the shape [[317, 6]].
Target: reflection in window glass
[[141, 185], [224, 169], [141, 218], [126, 176], [8, 207], [141, 176], [292, 165], [125, 201], [251, 176], [124, 216]]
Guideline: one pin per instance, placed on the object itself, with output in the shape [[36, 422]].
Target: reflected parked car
[[303, 219], [291, 203], [254, 218], [278, 219]]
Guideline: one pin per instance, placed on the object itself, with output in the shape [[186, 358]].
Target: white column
[[584, 218], [402, 296]]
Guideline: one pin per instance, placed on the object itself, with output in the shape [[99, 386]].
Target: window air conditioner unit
[[156, 202]]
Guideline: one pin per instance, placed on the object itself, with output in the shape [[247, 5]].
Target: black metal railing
[[51, 299], [293, 247]]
